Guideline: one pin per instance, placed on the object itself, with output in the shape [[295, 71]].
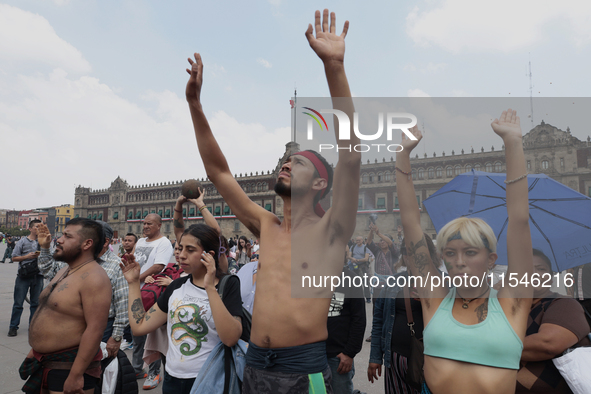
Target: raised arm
[[519, 246], [330, 48], [207, 216], [141, 323], [178, 221], [214, 160], [48, 267], [419, 259]]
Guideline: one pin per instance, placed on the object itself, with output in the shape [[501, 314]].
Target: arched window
[[414, 175], [476, 167], [468, 168], [545, 164], [387, 176], [488, 167], [457, 170], [498, 166], [371, 177], [421, 173], [439, 172], [449, 172], [364, 178], [431, 173], [380, 177]]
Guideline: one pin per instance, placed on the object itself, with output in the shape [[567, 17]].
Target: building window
[[268, 207], [421, 173], [544, 164], [167, 213], [476, 167], [360, 203], [431, 173], [138, 215], [419, 201], [562, 163], [218, 210], [449, 172], [498, 167], [387, 176], [145, 213], [396, 206], [130, 215], [488, 167], [139, 229], [414, 175], [130, 229], [226, 210], [236, 225], [381, 203], [364, 178], [380, 177], [184, 212], [100, 216], [116, 215], [371, 177], [439, 172], [160, 212], [457, 170], [167, 227], [192, 211]]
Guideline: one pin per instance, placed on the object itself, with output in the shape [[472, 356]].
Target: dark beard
[[68, 256], [282, 189]]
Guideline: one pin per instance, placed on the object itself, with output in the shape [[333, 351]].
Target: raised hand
[[193, 89], [43, 236], [507, 125], [199, 200], [209, 262], [130, 268], [407, 144], [327, 44]]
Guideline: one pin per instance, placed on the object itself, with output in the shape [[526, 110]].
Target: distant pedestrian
[[10, 244]]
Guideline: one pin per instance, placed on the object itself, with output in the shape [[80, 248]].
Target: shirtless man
[[287, 350], [72, 314]]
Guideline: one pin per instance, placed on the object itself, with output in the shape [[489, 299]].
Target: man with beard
[[118, 317], [287, 350], [128, 243], [73, 309]]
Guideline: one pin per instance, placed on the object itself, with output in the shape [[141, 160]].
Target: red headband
[[322, 172]]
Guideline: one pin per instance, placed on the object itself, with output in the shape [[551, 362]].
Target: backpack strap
[[227, 350]]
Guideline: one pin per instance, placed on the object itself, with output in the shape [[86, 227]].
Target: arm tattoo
[[177, 224], [482, 311], [420, 260], [148, 315], [137, 310]]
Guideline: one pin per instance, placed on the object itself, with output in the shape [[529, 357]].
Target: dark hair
[[540, 254], [430, 246], [131, 235], [90, 230], [33, 222], [208, 238], [245, 242], [329, 171]]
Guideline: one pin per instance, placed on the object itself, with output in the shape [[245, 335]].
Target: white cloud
[[275, 2], [61, 2], [28, 39], [264, 63], [416, 93], [502, 25], [429, 69]]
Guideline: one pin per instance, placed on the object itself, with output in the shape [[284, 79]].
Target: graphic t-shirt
[[149, 253], [191, 330]]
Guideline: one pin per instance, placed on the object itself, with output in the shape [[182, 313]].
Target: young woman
[[243, 251], [473, 336], [195, 315]]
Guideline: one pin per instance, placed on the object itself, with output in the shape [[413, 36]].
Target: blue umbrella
[[560, 218]]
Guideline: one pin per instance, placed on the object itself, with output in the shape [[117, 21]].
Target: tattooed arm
[[418, 258], [177, 218], [140, 321]]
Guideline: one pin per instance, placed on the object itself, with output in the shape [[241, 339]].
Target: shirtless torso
[[60, 321]]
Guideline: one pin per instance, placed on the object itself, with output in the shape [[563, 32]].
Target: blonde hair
[[475, 232]]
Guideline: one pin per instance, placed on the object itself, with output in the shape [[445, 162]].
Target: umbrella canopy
[[560, 218]]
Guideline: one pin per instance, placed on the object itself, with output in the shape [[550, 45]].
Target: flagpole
[[295, 96]]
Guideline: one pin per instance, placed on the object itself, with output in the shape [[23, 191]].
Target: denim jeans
[[341, 383], [21, 288], [172, 385], [7, 254], [137, 360]]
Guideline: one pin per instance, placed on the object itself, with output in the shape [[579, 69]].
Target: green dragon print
[[194, 328]]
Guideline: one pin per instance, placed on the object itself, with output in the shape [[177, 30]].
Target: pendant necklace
[[466, 302], [67, 273]]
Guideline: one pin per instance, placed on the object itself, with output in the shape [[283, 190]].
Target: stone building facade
[[547, 150]]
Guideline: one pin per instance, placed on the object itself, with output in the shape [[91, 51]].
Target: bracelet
[[202, 208], [516, 179], [178, 210], [408, 174]]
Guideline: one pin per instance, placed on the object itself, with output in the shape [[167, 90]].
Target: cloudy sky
[[91, 90]]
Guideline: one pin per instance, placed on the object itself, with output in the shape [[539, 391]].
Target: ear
[[319, 184], [86, 245], [492, 258], [212, 253]]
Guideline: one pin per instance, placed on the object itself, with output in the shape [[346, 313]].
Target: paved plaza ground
[[14, 349]]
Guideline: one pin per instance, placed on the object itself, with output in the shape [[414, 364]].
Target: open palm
[[327, 44], [507, 125]]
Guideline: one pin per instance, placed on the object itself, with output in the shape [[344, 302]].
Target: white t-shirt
[[190, 326], [149, 253]]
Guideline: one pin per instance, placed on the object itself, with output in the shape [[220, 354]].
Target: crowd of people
[[186, 304]]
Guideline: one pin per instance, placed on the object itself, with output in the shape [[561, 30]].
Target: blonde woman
[[473, 335]]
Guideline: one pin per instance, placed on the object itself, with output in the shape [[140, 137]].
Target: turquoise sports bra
[[492, 342]]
